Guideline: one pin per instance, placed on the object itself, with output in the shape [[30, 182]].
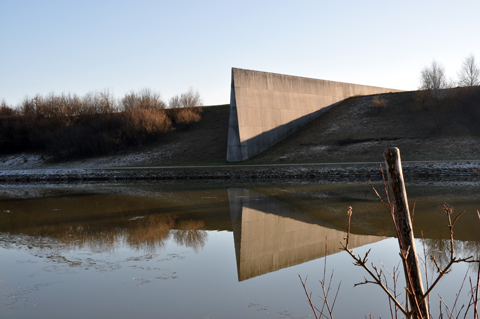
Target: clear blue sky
[[169, 46]]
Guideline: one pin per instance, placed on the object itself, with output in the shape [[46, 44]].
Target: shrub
[[379, 102], [141, 126], [67, 125], [145, 100], [109, 133], [186, 115], [5, 110], [190, 98]]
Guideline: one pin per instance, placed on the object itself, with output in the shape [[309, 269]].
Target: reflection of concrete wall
[[266, 107], [270, 235]]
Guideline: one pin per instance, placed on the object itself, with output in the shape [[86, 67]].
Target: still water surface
[[210, 251]]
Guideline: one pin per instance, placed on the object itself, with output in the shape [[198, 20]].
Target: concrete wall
[[270, 235], [267, 107]]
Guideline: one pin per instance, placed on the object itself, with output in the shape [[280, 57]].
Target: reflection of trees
[[440, 247], [191, 234], [140, 233], [150, 233], [77, 235]]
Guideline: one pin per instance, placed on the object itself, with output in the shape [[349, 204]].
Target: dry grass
[[186, 115]]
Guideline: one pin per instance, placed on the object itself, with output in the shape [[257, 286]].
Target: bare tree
[[190, 98], [433, 78], [145, 99], [469, 74], [5, 109], [174, 102], [105, 101], [150, 100]]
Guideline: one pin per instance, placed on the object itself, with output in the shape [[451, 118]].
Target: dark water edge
[[239, 173]]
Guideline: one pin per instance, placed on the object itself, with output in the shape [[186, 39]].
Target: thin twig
[[304, 284], [386, 188], [395, 277], [380, 197], [319, 313], [446, 307], [472, 298], [475, 313], [350, 212], [325, 294], [459, 292], [425, 267], [362, 262], [336, 295]]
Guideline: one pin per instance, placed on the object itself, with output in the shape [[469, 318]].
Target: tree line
[[98, 102], [68, 125], [434, 78]]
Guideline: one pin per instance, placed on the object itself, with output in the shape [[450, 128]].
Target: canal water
[[216, 250]]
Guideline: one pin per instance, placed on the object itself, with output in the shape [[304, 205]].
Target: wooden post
[[404, 226]]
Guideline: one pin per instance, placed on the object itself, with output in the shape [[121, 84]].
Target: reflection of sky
[[176, 282]]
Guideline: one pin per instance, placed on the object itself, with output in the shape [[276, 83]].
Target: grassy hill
[[202, 143]]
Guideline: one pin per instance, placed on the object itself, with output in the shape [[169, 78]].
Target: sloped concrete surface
[[267, 107]]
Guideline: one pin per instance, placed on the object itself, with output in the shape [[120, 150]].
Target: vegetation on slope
[[67, 126]]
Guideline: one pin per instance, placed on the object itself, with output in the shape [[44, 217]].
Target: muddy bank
[[274, 172]]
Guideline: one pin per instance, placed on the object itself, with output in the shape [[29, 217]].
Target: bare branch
[[458, 293], [304, 284], [433, 78], [359, 261], [469, 74], [348, 226], [446, 307]]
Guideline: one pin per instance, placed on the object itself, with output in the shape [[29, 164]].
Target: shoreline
[[305, 171]]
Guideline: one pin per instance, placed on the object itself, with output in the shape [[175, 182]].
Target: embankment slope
[[357, 130]]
